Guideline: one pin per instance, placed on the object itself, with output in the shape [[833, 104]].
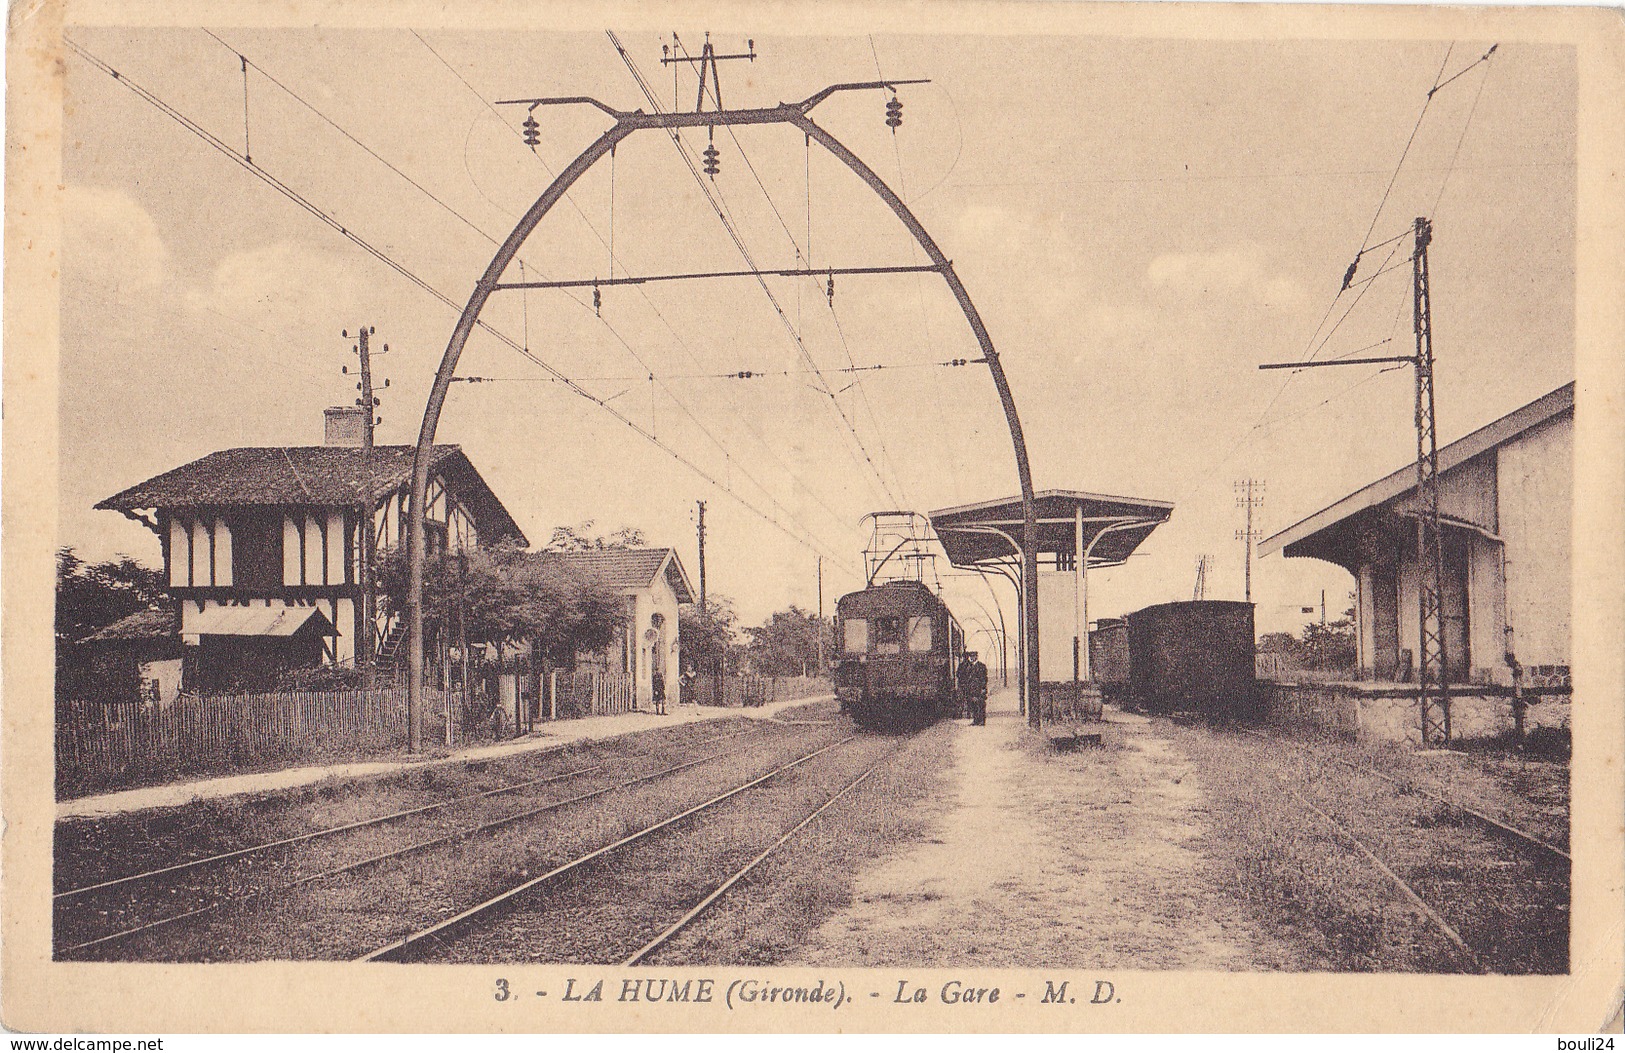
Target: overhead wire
[[955, 455], [744, 250], [766, 445], [1311, 349], [414, 279], [480, 230], [717, 198]]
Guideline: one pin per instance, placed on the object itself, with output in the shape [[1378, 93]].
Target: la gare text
[[831, 994]]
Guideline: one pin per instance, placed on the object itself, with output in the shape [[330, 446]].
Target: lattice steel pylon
[[1432, 675]]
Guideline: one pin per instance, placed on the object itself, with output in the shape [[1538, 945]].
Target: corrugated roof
[[312, 475], [1403, 480], [276, 620], [625, 568]]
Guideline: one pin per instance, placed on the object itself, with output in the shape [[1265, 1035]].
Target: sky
[[1140, 222]]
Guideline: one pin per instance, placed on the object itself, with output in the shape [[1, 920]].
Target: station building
[[1505, 498]]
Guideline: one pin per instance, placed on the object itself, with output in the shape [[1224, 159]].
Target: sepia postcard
[[951, 517]]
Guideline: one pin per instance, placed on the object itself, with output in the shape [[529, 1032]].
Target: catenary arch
[[795, 115]]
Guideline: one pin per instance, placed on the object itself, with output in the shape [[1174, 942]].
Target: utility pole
[[368, 539], [1433, 687], [821, 629], [702, 556], [1202, 564], [1249, 495]]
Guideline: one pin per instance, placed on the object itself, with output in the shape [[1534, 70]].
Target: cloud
[[1241, 271], [1011, 232], [108, 237], [278, 282]]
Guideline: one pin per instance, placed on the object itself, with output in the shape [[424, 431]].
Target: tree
[[706, 637], [786, 644], [1330, 646], [580, 538], [561, 613], [505, 596], [1279, 643], [92, 596]]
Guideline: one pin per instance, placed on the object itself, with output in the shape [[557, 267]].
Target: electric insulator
[[894, 112], [829, 290], [533, 135], [744, 374], [712, 156], [597, 301]]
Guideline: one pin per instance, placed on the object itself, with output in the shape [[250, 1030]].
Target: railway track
[[489, 930], [1477, 939], [229, 892], [170, 870]]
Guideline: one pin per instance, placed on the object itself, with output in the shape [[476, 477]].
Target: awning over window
[[258, 620]]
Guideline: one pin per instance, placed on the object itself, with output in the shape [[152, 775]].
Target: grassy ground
[[1305, 882], [343, 916], [767, 918], [93, 849]]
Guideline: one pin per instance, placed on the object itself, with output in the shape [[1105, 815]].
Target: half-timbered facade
[[263, 546]]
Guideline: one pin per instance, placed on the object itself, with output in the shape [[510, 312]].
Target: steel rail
[[360, 824], [435, 931], [383, 857], [705, 904], [1487, 820], [1410, 893]]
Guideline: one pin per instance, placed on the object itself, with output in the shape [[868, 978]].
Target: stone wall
[[1388, 712]]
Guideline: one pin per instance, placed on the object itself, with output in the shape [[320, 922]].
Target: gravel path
[[1045, 859]]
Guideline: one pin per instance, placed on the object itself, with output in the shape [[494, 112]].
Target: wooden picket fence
[[590, 694], [102, 744]]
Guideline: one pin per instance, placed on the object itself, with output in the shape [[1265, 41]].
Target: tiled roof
[[276, 475], [311, 475], [154, 623], [623, 568]]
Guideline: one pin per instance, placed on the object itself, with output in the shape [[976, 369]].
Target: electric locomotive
[[897, 654]]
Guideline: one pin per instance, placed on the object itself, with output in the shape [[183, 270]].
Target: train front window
[[888, 635], [855, 635], [919, 634]]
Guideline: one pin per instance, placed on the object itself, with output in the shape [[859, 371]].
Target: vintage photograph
[[874, 499]]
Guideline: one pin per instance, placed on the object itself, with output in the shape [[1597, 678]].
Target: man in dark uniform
[[973, 686], [962, 677]]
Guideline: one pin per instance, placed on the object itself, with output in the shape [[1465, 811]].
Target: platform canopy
[[1114, 526]]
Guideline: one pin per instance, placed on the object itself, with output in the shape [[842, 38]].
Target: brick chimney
[[346, 426]]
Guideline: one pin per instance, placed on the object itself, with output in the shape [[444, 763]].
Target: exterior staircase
[[393, 645]]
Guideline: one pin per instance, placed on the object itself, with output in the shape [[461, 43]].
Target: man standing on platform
[[973, 686]]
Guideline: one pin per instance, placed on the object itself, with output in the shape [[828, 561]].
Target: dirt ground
[[1044, 858]]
